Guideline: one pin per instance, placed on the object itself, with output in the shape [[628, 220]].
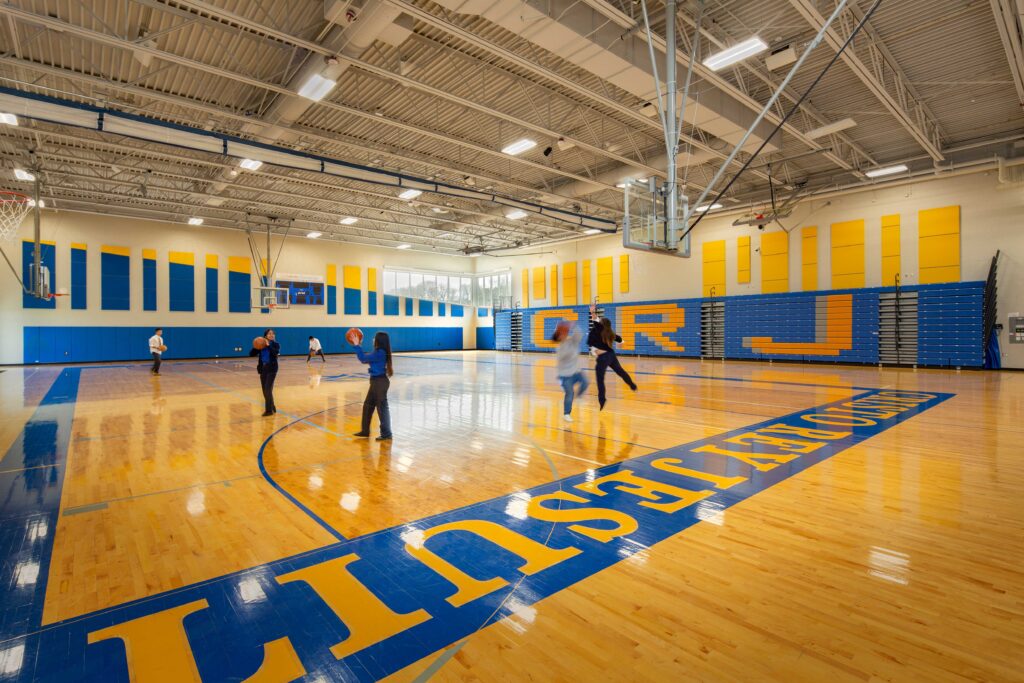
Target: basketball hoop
[[13, 207]]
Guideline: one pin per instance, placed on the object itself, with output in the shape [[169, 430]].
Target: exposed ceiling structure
[[436, 89]]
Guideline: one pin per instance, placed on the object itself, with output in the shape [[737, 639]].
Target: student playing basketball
[[603, 338], [567, 355], [157, 348], [315, 350], [380, 372], [267, 350]]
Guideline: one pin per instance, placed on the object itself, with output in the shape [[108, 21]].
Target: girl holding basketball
[[379, 361], [267, 349], [567, 356], [602, 339]]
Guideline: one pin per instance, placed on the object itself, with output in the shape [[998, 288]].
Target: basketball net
[[13, 208]]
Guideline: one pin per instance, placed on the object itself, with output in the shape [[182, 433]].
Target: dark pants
[[316, 353], [156, 362], [606, 360], [377, 399], [267, 378]]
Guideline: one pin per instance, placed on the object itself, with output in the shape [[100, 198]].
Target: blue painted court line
[[660, 495], [30, 502], [662, 374]]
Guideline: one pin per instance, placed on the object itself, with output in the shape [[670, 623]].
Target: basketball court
[[785, 445]]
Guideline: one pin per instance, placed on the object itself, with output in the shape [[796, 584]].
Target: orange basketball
[[561, 330], [354, 336], [163, 347], [259, 343]]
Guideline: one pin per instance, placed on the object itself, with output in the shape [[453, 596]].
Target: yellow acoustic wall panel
[[743, 260], [938, 245], [539, 285], [604, 279], [570, 292], [624, 273], [847, 240], [526, 288], [809, 258], [554, 286], [714, 268], [585, 276], [890, 250], [774, 262]]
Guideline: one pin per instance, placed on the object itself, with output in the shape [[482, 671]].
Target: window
[[458, 288]]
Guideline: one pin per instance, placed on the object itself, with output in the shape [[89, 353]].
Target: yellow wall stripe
[[847, 240], [743, 260], [570, 290], [585, 276], [554, 286], [149, 254], [938, 245], [52, 244], [351, 277], [526, 288], [604, 279], [79, 245], [714, 268], [238, 264], [183, 258], [774, 262], [117, 251], [890, 250], [624, 273], [371, 279], [332, 275], [809, 258], [539, 284], [212, 261]]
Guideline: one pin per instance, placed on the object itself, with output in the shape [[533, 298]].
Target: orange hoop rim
[[12, 196]]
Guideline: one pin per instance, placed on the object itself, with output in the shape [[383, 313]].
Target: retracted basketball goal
[[14, 206]]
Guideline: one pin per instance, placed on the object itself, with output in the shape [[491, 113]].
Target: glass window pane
[[389, 282], [403, 284]]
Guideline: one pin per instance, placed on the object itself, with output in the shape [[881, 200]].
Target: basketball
[[561, 330], [354, 336], [163, 348], [259, 343]]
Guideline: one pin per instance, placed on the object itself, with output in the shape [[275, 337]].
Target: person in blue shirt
[[379, 361], [267, 367]]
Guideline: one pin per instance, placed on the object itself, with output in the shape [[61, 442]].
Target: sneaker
[[268, 413], [383, 438], [601, 401], [633, 387], [567, 418], [361, 435]]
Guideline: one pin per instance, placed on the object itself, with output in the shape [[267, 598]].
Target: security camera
[[760, 226]]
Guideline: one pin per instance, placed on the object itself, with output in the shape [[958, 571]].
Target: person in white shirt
[[315, 350], [156, 347]]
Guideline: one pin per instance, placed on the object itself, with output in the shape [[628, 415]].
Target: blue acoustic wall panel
[[45, 344], [79, 277], [239, 285], [149, 279], [440, 309], [483, 312], [212, 283], [48, 257], [408, 306], [458, 311], [390, 304], [181, 281], [485, 338], [426, 308], [115, 282]]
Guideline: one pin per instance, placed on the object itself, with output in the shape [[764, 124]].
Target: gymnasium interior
[[481, 340]]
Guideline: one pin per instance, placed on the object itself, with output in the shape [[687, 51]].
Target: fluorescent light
[[592, 231], [23, 175], [410, 194], [316, 87], [438, 209], [402, 246], [348, 220], [736, 53], [313, 235], [8, 119], [195, 221], [705, 207], [250, 164], [515, 215], [888, 170], [830, 128], [519, 146]]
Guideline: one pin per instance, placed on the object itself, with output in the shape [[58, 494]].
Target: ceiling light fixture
[[515, 215], [348, 220], [438, 209], [518, 147], [410, 194], [313, 235], [250, 164], [591, 231], [8, 119], [830, 128], [402, 246], [23, 175], [736, 53], [888, 170], [195, 221], [705, 207], [316, 87]]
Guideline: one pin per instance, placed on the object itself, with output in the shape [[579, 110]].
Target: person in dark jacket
[[267, 367], [377, 397], [602, 338]]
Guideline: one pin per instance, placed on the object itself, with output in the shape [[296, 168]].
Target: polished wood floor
[[898, 558]]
